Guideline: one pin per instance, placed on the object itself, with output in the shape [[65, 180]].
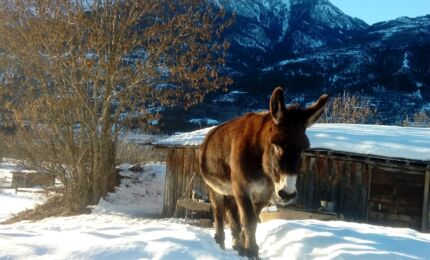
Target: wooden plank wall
[[182, 163], [361, 191], [346, 183], [426, 202], [396, 198]]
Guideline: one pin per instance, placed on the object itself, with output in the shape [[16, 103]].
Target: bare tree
[[78, 71], [420, 119], [349, 108]]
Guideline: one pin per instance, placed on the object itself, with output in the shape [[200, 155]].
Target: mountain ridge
[[310, 47]]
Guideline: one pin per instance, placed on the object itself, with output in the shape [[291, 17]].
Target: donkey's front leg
[[248, 221]]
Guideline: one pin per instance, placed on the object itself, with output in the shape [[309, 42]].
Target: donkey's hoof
[[236, 244], [220, 241], [251, 253]]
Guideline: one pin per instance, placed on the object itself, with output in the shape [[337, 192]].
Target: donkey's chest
[[260, 190]]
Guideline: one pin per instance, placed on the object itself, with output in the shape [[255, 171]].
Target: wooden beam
[[295, 214], [406, 165], [425, 218], [369, 171], [193, 205]]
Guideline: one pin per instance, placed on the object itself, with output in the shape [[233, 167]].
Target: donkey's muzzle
[[285, 196]]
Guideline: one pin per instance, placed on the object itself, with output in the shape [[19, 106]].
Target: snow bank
[[141, 193], [388, 141], [103, 236], [11, 203]]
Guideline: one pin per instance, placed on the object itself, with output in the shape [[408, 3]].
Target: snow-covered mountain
[[267, 30], [310, 47]]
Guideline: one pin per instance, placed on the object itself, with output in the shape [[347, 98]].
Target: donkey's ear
[[314, 112], [277, 105]]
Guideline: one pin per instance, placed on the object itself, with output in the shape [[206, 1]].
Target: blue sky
[[372, 11]]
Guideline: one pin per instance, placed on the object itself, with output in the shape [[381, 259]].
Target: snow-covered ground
[[380, 140], [141, 192], [117, 230], [11, 202], [110, 236]]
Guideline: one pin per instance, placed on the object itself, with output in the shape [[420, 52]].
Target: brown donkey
[[248, 159]]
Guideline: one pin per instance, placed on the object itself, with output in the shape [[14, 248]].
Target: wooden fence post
[[426, 217]]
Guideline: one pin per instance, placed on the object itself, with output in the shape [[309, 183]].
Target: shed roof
[[379, 140]]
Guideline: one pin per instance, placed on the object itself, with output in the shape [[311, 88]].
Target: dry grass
[[54, 207], [349, 108], [135, 153]]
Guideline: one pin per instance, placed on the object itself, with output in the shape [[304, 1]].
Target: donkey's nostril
[[285, 196]]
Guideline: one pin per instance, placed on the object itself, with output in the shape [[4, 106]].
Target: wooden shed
[[182, 164], [370, 189], [29, 179], [363, 188]]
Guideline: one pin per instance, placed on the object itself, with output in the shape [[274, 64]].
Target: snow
[[304, 42], [204, 121], [249, 42], [7, 166], [113, 231], [10, 201], [139, 138], [405, 63], [230, 97], [331, 16], [190, 138], [401, 25], [379, 140], [325, 59], [108, 236], [141, 193], [387, 141]]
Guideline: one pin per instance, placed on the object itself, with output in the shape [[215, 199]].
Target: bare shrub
[[81, 71], [349, 108], [419, 119], [136, 153]]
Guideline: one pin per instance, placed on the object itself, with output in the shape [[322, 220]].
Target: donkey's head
[[288, 140]]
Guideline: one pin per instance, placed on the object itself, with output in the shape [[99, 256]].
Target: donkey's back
[[234, 142]]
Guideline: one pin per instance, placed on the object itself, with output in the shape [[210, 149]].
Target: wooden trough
[[193, 205], [368, 189]]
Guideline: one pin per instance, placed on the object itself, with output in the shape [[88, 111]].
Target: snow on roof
[[184, 139], [379, 140]]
